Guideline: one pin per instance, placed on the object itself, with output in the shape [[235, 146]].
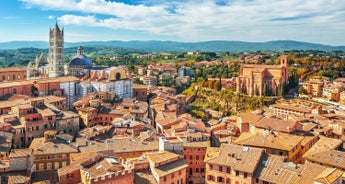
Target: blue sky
[[318, 21]]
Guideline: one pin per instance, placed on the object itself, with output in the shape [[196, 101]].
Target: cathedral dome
[[80, 60]]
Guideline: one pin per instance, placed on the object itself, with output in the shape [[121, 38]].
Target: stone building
[[255, 80], [56, 56]]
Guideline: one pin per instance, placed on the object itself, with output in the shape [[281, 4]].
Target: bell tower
[[55, 56]]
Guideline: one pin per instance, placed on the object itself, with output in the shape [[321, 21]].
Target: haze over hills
[[214, 46]]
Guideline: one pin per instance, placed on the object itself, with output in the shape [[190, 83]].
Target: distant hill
[[214, 46]]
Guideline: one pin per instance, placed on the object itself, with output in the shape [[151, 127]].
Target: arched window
[[118, 76]]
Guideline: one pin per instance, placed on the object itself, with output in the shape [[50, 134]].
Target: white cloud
[[195, 20], [51, 17]]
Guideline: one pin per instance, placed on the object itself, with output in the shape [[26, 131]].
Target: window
[[41, 167], [220, 169], [172, 175], [197, 157], [273, 151], [37, 127], [245, 175], [165, 178], [237, 173], [14, 77], [257, 180], [64, 164], [227, 181], [202, 170], [210, 178], [45, 126], [56, 165], [190, 157], [281, 153], [219, 179], [211, 167], [227, 169], [70, 175], [49, 166], [197, 170]]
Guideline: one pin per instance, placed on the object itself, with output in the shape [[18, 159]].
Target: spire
[[80, 50], [56, 25]]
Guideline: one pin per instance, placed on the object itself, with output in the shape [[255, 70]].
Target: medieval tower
[[55, 56]]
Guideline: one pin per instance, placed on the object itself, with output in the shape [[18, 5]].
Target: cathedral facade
[[259, 80]]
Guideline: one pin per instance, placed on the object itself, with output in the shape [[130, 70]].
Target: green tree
[[264, 90]]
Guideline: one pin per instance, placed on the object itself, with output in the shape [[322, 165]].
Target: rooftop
[[270, 139], [171, 167], [237, 157]]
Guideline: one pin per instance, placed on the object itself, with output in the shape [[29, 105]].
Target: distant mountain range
[[212, 46]]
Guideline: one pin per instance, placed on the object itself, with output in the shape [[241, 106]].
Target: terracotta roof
[[265, 139], [159, 157], [276, 124], [324, 144], [50, 147], [16, 83], [250, 118], [20, 152], [329, 175], [237, 157], [171, 167], [273, 169], [58, 79], [144, 178], [262, 66], [290, 107], [13, 69], [138, 86], [104, 167], [323, 151], [121, 145], [196, 144], [45, 112], [334, 158]]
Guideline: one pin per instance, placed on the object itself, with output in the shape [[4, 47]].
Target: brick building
[[232, 164], [194, 151], [51, 154], [28, 118], [167, 167], [12, 74], [276, 143], [140, 92], [255, 80]]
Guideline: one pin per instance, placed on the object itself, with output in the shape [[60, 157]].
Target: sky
[[316, 21]]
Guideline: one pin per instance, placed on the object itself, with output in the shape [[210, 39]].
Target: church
[[259, 80], [88, 78]]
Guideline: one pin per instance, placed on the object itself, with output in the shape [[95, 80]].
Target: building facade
[[259, 80]]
